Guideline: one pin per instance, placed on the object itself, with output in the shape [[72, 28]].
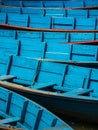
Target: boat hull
[[77, 107]]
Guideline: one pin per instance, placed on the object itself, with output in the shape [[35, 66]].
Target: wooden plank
[[57, 8], [9, 128], [7, 77], [7, 26], [13, 86], [38, 118], [79, 91], [93, 64], [50, 73], [92, 42], [18, 19], [9, 120], [42, 86], [2, 18]]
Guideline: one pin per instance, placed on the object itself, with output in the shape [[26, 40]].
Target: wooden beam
[[7, 26], [7, 77], [9, 120], [58, 8], [76, 8], [92, 42], [20, 88], [9, 128]]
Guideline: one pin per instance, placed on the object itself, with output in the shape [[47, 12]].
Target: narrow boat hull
[[78, 107]]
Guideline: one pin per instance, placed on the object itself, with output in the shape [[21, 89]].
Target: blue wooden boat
[[49, 18], [50, 12], [18, 112], [52, 74], [50, 80], [38, 45], [37, 35], [52, 4]]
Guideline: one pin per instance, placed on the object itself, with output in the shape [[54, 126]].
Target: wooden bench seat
[[7, 77], [79, 91], [9, 120], [42, 85]]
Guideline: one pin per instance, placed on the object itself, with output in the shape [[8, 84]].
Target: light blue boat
[[18, 112]]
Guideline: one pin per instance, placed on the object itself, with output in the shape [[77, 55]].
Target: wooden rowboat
[[19, 113]]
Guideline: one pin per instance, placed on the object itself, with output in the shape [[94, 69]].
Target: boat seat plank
[[73, 4], [57, 13], [7, 77], [79, 91], [84, 53], [15, 3], [42, 85], [93, 13], [5, 61], [55, 37], [34, 37], [77, 13], [32, 50], [75, 37], [40, 22], [9, 34], [10, 10], [51, 74], [52, 4], [18, 19], [91, 3], [3, 114], [97, 25], [2, 18], [33, 12], [21, 67], [9, 46], [60, 88], [32, 4], [85, 23], [63, 22], [60, 52], [9, 120]]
